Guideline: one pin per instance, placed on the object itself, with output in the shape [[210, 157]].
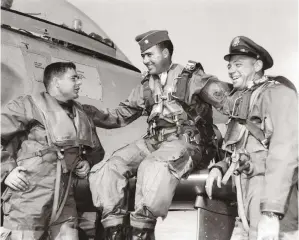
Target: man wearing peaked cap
[[167, 152], [245, 46], [262, 136]]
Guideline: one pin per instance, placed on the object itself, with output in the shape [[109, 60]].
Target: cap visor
[[228, 56]]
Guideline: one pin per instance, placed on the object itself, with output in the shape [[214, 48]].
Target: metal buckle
[[38, 153], [194, 139], [169, 96], [157, 98], [164, 97], [175, 118], [235, 111], [152, 127], [190, 66], [161, 134], [265, 143]]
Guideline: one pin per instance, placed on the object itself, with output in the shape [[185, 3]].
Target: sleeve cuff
[[273, 207], [6, 168]]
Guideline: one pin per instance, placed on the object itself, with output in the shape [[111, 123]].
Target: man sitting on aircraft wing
[[180, 138], [48, 141]]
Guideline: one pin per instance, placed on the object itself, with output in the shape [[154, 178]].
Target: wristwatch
[[272, 214]]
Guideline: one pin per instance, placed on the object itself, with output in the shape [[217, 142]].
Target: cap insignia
[[236, 42], [146, 41]]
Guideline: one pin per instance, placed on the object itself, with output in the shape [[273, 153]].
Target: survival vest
[[199, 113], [241, 108]]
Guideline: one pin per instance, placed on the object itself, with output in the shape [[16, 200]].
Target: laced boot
[[115, 233], [143, 234]]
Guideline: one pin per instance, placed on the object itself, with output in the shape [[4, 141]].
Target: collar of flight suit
[[163, 75]]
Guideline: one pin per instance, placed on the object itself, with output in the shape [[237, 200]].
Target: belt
[[161, 123], [60, 151], [161, 133], [46, 150]]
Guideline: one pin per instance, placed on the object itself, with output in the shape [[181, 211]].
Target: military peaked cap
[[244, 46], [151, 38]]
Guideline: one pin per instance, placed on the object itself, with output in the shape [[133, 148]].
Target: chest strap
[[241, 108]]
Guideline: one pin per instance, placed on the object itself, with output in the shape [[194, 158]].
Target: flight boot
[[115, 233], [142, 234]]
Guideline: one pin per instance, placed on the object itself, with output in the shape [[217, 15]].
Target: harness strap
[[241, 208], [257, 133], [55, 215], [56, 192], [242, 107], [56, 212], [39, 153], [233, 166]]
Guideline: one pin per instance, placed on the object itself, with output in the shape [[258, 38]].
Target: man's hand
[[82, 169], [17, 180], [268, 228], [215, 173]]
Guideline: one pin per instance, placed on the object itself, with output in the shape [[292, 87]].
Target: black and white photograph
[[149, 120]]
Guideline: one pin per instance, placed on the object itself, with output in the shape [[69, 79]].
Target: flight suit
[[35, 132], [159, 160], [271, 183]]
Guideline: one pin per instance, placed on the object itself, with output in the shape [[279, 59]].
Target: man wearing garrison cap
[[262, 136], [163, 156]]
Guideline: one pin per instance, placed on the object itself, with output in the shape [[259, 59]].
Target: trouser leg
[[157, 178], [110, 181], [253, 193], [65, 227]]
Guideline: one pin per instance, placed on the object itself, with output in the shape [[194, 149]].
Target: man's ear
[[165, 53], [55, 81], [258, 65]]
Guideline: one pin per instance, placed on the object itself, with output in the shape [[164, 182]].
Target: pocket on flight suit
[[177, 156], [180, 165]]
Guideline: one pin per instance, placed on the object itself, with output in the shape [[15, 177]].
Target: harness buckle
[[194, 139], [151, 128], [265, 143], [60, 154], [190, 66], [157, 98], [161, 134], [235, 111], [38, 153]]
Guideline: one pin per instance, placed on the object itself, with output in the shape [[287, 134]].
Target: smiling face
[[156, 60], [242, 70], [68, 84]]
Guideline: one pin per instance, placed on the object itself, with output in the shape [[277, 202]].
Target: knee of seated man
[[116, 163], [152, 165]]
